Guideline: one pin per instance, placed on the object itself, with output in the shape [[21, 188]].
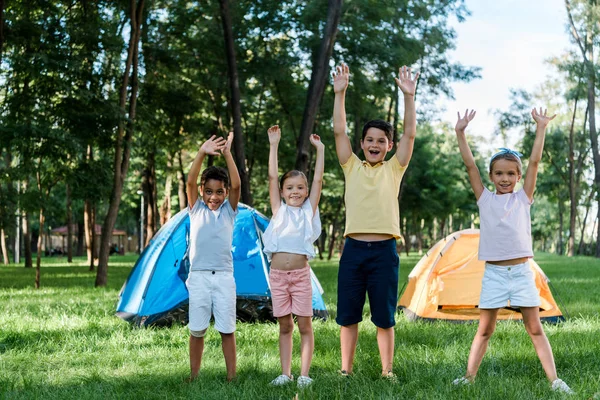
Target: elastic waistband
[[378, 244], [506, 267], [211, 272], [289, 272]]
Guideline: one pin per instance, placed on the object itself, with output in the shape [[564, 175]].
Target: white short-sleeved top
[[211, 234], [293, 230], [505, 227]]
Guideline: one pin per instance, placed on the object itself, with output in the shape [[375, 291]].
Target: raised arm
[[542, 121], [343, 147], [274, 196], [317, 183], [235, 183], [210, 147], [408, 86], [467, 155]]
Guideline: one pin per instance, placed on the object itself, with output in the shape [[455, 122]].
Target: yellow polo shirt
[[372, 196]]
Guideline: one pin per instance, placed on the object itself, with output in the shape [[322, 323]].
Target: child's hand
[[315, 140], [463, 122], [405, 81], [213, 145], [541, 119], [226, 150], [274, 134], [341, 77]]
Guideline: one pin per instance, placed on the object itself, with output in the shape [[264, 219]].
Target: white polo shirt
[[211, 234]]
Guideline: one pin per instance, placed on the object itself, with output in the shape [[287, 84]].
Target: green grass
[[64, 342]]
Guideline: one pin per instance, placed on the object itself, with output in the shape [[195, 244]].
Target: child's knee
[[286, 325], [305, 325], [534, 328], [198, 334], [486, 331]]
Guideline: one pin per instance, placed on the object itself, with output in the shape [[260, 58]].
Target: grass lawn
[[64, 342]]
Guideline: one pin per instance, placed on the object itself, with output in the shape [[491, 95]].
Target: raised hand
[[315, 140], [463, 122], [341, 77], [226, 150], [541, 119], [274, 134], [213, 145], [405, 82]]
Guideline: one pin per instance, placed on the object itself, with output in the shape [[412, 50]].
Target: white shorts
[[211, 293], [514, 283]]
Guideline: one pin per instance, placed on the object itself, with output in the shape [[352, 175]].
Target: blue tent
[[155, 291]]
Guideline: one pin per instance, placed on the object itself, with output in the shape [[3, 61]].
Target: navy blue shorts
[[368, 267]]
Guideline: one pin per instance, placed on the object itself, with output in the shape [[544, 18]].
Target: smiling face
[[213, 193], [294, 190], [505, 175], [375, 145]]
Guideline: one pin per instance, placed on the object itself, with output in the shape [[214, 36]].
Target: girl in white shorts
[[505, 245], [289, 244]]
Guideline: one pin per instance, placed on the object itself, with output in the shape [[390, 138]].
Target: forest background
[[105, 103]]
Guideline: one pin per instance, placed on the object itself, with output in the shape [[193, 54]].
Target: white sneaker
[[282, 380], [560, 386], [303, 381], [462, 381]]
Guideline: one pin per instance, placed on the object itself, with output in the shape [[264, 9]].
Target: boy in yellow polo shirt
[[369, 263]]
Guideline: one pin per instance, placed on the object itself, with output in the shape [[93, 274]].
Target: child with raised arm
[[288, 242], [506, 247], [369, 263], [210, 283]]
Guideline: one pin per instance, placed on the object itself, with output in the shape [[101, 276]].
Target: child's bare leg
[[533, 325], [307, 344], [286, 329], [348, 340], [196, 350], [228, 345], [385, 341], [487, 324]]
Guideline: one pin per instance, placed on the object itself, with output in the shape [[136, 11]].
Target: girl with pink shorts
[[288, 242]]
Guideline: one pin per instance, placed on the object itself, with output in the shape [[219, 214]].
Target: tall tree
[[586, 12], [124, 137], [318, 80], [236, 110]]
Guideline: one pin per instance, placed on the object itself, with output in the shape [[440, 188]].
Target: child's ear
[[390, 145]]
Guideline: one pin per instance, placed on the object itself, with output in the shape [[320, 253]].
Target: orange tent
[[446, 283]]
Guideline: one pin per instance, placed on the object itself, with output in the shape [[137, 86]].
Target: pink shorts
[[291, 292]]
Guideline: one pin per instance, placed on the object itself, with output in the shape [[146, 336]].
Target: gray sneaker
[[282, 380], [304, 381], [560, 386], [462, 381]]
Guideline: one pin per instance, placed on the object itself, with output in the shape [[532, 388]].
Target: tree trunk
[[38, 263], [561, 212], [318, 80], [89, 222], [181, 179], [588, 205], [572, 194], [80, 239], [27, 232], [3, 246], [149, 189], [332, 238], [238, 138], [123, 140], [69, 225], [165, 208]]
